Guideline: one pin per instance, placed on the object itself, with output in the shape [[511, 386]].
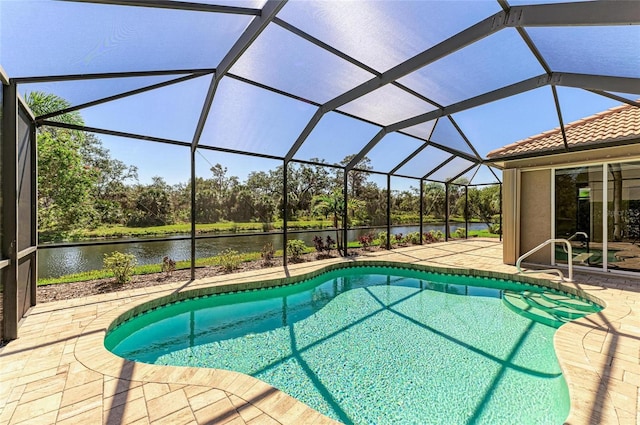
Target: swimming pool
[[377, 344]]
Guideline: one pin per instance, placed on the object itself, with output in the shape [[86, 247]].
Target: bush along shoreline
[[121, 266]]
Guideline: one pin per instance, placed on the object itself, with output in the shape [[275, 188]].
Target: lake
[[58, 261]]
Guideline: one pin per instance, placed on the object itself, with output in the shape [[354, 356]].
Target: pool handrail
[[558, 271]]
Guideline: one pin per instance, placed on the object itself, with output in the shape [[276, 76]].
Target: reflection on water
[[56, 262]]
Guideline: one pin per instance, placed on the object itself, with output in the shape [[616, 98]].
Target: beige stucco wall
[[535, 214], [510, 220]]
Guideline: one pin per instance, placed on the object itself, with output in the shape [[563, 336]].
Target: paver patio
[[58, 371]]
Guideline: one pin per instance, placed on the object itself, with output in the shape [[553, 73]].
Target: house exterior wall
[[535, 214], [510, 216]]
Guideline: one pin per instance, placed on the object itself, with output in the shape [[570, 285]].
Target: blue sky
[[86, 38]]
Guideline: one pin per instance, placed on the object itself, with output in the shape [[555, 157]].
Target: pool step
[[518, 304], [568, 301], [535, 299]]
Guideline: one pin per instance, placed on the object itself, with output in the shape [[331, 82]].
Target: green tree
[[65, 179], [65, 185], [331, 204], [79, 184], [484, 203], [153, 206]]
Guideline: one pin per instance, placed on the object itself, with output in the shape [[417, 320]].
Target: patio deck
[[59, 372]]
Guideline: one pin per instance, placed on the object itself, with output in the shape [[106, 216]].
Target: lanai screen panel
[[248, 118], [611, 51], [425, 161], [451, 170], [496, 124], [95, 38], [382, 34], [446, 134], [422, 131], [483, 175], [392, 150], [25, 182], [387, 105], [282, 60], [335, 137], [577, 104], [169, 112], [491, 63], [83, 91]]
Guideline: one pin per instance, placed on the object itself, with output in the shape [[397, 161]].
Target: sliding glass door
[[623, 216], [580, 216]]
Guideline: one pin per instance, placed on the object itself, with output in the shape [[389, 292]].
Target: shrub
[[295, 248], [322, 246], [330, 244], [365, 240], [495, 229], [168, 266], [382, 239], [433, 236], [459, 233], [121, 265], [413, 238], [267, 253], [318, 243], [229, 260]]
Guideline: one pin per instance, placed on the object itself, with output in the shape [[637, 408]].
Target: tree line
[[80, 186]]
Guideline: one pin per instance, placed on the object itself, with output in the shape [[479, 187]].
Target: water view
[[55, 262]]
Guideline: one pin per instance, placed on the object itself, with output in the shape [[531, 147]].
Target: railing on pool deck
[[558, 271]]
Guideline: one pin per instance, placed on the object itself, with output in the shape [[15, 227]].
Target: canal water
[[58, 261]]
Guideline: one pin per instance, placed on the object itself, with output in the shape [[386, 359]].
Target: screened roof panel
[[611, 51], [422, 131], [425, 161], [446, 134], [151, 159], [335, 137], [451, 169], [247, 118], [483, 175], [387, 105], [169, 112], [506, 121], [83, 91], [44, 38], [282, 60], [96, 38], [391, 150], [576, 104], [480, 175], [382, 34], [493, 62]]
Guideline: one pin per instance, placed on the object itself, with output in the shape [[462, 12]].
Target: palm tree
[[331, 204]]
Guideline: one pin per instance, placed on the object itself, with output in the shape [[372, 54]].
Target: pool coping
[[599, 354]]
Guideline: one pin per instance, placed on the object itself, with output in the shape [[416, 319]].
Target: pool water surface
[[378, 345]]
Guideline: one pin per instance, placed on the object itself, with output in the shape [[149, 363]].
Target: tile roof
[[613, 125]]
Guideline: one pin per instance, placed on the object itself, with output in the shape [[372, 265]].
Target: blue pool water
[[378, 345]]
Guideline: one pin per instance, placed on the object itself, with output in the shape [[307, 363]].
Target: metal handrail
[[539, 247]]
